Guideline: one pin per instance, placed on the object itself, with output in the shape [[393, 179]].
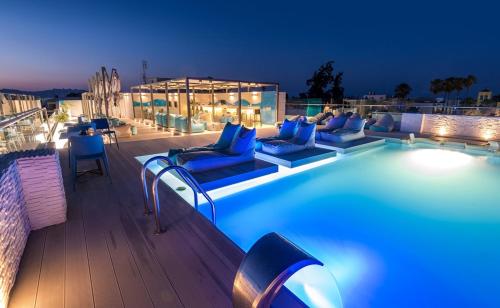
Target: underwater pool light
[[438, 159]]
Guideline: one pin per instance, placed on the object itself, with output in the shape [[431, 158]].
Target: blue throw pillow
[[288, 129], [304, 133], [336, 122], [354, 122], [227, 135], [243, 142]]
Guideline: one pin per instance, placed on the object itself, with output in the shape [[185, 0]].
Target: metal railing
[[364, 108], [25, 130], [185, 176]]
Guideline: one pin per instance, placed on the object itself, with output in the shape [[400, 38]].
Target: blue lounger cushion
[[344, 134], [243, 141], [209, 160], [304, 134], [354, 123], [288, 129], [384, 124], [281, 147], [303, 139], [334, 123], [227, 136]]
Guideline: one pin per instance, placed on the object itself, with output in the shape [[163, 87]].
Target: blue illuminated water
[[398, 226]]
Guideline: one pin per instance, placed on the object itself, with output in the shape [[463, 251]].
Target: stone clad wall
[[14, 229], [485, 128], [31, 197], [43, 190]]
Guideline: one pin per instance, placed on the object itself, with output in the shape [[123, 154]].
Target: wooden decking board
[[52, 274], [25, 290], [106, 255], [78, 288], [104, 282]]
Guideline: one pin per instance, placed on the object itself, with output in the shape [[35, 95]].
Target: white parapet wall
[[31, 197], [476, 127]]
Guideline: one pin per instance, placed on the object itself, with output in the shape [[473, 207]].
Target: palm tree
[[458, 85], [437, 86], [448, 87], [469, 81]]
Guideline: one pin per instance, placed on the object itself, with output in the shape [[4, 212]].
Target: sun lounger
[[384, 124], [240, 150], [353, 129], [302, 139], [287, 131], [334, 123]]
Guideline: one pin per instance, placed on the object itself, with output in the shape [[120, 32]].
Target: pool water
[[397, 226]]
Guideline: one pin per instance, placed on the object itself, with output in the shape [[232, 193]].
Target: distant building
[[371, 96], [484, 95]]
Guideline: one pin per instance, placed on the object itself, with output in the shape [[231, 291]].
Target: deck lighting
[[487, 135]]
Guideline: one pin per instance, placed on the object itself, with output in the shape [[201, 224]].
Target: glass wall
[[196, 105]]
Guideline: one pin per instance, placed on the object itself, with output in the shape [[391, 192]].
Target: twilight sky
[[55, 44]]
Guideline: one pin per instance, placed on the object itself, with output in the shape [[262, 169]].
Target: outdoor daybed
[[353, 129], [236, 145], [286, 132], [384, 124], [334, 123], [303, 138]]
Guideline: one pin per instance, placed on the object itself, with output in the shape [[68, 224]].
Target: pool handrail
[[147, 211], [191, 182]]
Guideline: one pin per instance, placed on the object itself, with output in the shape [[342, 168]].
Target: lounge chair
[[240, 150], [287, 131], [353, 129], [334, 123], [227, 136], [384, 124], [302, 139]]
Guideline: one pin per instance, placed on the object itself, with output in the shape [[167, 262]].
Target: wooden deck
[[106, 255]]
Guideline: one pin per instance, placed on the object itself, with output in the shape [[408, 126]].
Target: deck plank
[[26, 287], [78, 287], [52, 275]]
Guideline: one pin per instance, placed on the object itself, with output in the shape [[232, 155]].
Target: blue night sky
[[54, 44]]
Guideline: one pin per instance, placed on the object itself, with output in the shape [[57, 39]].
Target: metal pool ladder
[[185, 176]]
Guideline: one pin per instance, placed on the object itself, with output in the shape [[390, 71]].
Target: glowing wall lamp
[[442, 131], [488, 134]]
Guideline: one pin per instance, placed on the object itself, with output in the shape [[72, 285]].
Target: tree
[[437, 86], [337, 91], [469, 81], [448, 87], [319, 82], [458, 86], [402, 91]]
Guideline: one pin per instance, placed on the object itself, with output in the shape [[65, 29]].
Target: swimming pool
[[399, 226]]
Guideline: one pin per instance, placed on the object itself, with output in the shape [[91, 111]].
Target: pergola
[[190, 87]]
